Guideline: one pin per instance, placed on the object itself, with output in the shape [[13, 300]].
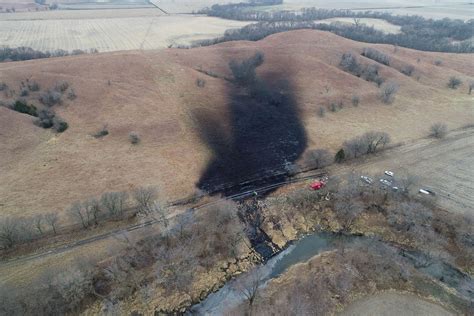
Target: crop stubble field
[[139, 29]]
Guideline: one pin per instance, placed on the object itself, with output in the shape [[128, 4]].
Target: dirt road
[[394, 304]]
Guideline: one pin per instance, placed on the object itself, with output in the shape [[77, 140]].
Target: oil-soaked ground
[[264, 135]]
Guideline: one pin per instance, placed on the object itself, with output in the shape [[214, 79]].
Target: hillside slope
[[155, 94]]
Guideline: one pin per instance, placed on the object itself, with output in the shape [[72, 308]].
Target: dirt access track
[[443, 166]]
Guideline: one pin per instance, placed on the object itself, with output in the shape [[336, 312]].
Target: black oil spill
[[263, 133]]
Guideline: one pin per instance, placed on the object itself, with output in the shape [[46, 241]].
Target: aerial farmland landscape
[[236, 157]]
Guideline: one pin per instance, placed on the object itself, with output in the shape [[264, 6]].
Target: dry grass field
[[155, 94], [394, 304], [108, 30]]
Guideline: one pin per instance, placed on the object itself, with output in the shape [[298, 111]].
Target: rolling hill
[[184, 127]]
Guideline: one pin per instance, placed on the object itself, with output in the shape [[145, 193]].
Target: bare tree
[[73, 286], [52, 220], [114, 202], [368, 143], [318, 158], [388, 92], [375, 140], [38, 222], [438, 130], [412, 218], [321, 111], [158, 211], [249, 283], [8, 232], [355, 100], [349, 63], [50, 97], [407, 181], [78, 212], [145, 196], [92, 207], [356, 22], [347, 204]]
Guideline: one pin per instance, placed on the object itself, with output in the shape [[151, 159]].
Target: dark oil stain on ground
[[264, 133]]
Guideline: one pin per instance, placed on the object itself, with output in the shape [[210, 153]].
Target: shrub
[[59, 125], [355, 100], [61, 86], [408, 70], [388, 92], [438, 130], [22, 107], [376, 55], [71, 95], [45, 118], [471, 86], [333, 107], [370, 73], [50, 97], [134, 138], [340, 156], [33, 86], [438, 62], [102, 132], [318, 158], [3, 86], [24, 92], [321, 111], [349, 63], [201, 83], [454, 82]]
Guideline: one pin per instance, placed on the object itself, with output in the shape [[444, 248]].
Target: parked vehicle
[[367, 179], [426, 192], [389, 173], [317, 185], [386, 182]]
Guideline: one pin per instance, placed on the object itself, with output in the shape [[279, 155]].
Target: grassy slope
[[154, 93]]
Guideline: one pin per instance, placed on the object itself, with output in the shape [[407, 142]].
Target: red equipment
[[317, 185]]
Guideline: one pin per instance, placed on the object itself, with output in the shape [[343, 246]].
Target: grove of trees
[[416, 32]]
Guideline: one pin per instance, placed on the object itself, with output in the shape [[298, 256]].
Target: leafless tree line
[[170, 259], [368, 143], [369, 72], [110, 206]]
